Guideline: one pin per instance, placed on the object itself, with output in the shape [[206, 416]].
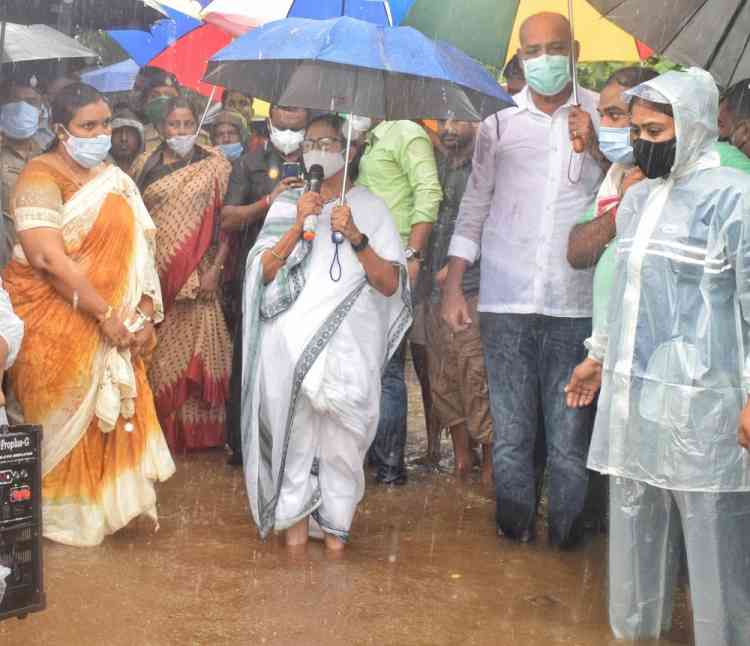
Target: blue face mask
[[615, 145], [547, 74], [19, 120], [88, 151], [231, 151]]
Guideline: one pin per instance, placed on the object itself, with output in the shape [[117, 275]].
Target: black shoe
[[396, 480], [573, 540], [525, 536], [235, 459]]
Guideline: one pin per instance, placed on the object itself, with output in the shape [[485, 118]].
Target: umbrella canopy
[[119, 77], [187, 58], [348, 65], [488, 30], [143, 46], [83, 14], [712, 34], [238, 18], [39, 43]]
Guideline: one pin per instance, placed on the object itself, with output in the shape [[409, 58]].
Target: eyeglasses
[[324, 144]]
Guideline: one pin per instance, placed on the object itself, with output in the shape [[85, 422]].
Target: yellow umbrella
[[601, 40]]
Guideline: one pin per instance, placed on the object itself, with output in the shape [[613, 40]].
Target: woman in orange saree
[[83, 280], [183, 186]]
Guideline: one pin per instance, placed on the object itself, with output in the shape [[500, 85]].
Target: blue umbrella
[[374, 11], [348, 65], [119, 77], [146, 45]]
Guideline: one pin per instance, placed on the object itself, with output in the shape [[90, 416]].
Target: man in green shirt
[[399, 167]]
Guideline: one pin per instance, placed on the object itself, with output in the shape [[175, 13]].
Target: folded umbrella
[[712, 34], [20, 43], [348, 65]]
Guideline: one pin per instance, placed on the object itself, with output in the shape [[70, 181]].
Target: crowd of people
[[574, 318]]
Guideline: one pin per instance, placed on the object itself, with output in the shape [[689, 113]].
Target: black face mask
[[655, 159]]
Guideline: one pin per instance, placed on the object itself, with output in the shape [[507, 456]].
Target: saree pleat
[[94, 483]]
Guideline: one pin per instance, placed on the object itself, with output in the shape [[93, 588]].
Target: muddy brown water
[[424, 568]]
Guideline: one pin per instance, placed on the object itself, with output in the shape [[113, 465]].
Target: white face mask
[[182, 145], [286, 141], [88, 151], [331, 162]]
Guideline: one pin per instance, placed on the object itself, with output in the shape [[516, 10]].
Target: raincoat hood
[[694, 98]]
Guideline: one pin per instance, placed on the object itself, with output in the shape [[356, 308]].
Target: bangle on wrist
[[268, 200], [143, 315], [278, 257], [107, 315]]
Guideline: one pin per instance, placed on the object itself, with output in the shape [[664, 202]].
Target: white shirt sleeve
[[11, 328]]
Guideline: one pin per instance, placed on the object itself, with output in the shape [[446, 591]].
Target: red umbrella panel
[[188, 57]]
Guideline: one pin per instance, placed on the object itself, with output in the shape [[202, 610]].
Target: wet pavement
[[424, 568]]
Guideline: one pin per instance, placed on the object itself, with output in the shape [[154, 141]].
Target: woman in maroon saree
[[183, 185]]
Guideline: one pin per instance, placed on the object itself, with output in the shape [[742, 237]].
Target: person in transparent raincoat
[[674, 374]]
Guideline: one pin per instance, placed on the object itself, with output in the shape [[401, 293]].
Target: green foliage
[[595, 75]]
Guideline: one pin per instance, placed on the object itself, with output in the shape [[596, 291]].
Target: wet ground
[[424, 568]]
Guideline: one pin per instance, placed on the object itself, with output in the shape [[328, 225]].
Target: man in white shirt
[[527, 190]]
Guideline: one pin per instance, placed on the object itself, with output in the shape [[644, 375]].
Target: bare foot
[[297, 534], [334, 543], [461, 451], [486, 478]]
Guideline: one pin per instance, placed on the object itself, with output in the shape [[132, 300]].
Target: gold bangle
[[107, 315], [281, 259]]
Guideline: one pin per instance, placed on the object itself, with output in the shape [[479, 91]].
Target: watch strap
[[363, 244]]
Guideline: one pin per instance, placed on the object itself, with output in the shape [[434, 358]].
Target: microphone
[[314, 182]]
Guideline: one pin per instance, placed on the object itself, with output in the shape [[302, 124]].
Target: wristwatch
[[412, 254], [363, 243]]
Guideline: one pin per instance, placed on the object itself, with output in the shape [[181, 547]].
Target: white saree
[[314, 352]]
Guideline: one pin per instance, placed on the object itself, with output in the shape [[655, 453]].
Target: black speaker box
[[21, 520]]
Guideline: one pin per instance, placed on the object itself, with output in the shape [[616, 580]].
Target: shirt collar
[[381, 130], [525, 102]]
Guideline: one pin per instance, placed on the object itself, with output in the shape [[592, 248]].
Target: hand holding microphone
[[308, 208], [314, 182]]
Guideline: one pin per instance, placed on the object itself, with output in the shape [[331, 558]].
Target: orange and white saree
[[103, 448]]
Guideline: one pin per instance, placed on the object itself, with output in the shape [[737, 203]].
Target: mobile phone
[[291, 169]]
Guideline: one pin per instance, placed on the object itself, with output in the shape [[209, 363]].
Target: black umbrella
[[72, 16], [712, 34]]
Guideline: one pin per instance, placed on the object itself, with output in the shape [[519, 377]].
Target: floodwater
[[424, 568]]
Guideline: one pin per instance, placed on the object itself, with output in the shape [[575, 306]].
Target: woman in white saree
[[83, 280], [321, 322]]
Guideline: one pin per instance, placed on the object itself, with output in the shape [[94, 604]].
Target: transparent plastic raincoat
[[675, 347], [675, 376]]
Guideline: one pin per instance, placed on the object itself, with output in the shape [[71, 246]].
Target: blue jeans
[[529, 360], [387, 451]]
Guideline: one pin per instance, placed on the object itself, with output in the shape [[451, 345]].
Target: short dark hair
[[629, 77], [177, 102], [738, 99]]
